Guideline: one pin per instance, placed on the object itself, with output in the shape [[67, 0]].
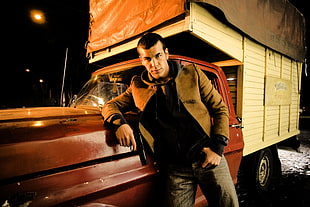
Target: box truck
[[259, 45]]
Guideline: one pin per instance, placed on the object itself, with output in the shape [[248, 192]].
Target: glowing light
[[38, 124], [27, 70], [41, 80], [100, 101], [37, 16]]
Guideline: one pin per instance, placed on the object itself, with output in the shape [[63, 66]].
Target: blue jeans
[[215, 183]]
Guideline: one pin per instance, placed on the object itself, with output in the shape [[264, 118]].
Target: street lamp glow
[[41, 80], [37, 16]]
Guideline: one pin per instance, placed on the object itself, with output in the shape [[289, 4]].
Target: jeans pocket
[[197, 166], [209, 167]]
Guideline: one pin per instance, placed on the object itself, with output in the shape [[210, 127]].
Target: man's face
[[155, 60]]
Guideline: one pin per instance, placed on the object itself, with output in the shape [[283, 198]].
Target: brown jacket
[[195, 91]]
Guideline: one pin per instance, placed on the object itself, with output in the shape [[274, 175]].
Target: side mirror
[[73, 101]]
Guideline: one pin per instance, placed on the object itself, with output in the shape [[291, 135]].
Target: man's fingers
[[204, 164], [120, 142], [125, 141], [211, 158], [126, 137], [128, 141], [131, 142], [134, 144]]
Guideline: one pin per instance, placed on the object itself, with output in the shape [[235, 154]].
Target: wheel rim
[[264, 171]]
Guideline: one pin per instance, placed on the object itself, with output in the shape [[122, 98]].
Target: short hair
[[149, 40]]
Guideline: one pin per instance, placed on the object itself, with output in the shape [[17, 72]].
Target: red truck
[[68, 157]]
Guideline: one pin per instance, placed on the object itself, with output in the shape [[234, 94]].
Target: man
[[176, 104]]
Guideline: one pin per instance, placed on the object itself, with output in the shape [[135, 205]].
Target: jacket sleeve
[[218, 111], [113, 110]]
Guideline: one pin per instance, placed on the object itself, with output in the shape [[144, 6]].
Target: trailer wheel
[[262, 169]]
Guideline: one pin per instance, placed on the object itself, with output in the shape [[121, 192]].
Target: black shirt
[[175, 131]]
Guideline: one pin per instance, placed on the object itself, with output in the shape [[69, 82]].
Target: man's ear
[[138, 51], [167, 53]]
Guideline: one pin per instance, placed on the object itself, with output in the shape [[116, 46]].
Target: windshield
[[104, 87]]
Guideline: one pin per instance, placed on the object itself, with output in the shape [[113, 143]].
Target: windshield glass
[[104, 87]]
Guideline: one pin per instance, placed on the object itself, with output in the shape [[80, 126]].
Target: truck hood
[[11, 115], [29, 124], [38, 139]]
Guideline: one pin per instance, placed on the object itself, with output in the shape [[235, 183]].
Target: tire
[[261, 170], [264, 170]]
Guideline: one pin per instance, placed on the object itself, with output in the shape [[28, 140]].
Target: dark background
[[42, 49]]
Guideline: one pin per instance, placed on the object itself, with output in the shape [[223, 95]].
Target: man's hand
[[125, 136], [211, 158]]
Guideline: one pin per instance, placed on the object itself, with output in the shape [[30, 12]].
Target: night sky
[[41, 48]]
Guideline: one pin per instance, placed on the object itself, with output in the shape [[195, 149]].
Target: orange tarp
[[276, 24], [112, 21]]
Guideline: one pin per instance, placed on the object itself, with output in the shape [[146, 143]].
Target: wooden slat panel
[[286, 68], [210, 29]]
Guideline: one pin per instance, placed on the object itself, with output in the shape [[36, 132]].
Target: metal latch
[[238, 126]]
